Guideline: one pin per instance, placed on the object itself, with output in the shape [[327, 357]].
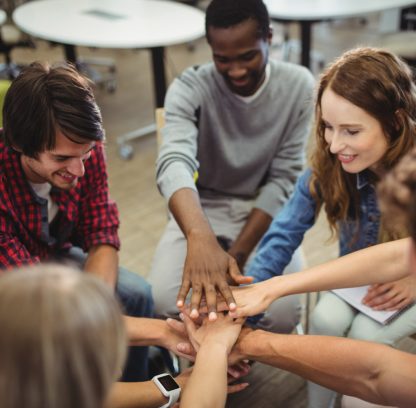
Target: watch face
[[168, 382]]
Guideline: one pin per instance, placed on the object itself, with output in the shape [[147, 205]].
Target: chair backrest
[[4, 86]]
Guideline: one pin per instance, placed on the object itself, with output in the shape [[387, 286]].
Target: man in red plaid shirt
[[54, 199]]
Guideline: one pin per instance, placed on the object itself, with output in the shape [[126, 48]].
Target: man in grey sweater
[[233, 146]]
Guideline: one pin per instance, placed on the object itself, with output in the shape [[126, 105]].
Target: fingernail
[[212, 316], [181, 316], [180, 347], [179, 303], [194, 313], [233, 373], [233, 306]]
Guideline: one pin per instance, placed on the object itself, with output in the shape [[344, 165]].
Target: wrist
[[217, 344], [199, 233], [247, 343], [275, 288]]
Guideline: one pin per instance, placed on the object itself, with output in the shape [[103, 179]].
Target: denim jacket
[[288, 228]]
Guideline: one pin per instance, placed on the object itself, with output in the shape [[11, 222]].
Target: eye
[[249, 56], [221, 60], [352, 132], [60, 159], [326, 125]]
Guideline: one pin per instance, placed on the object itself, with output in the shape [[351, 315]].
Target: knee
[[135, 295], [323, 322], [282, 316], [360, 330], [165, 300]]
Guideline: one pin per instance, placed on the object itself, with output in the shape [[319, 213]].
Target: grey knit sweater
[[251, 150]]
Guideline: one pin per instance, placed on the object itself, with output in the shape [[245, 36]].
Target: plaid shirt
[[86, 215]]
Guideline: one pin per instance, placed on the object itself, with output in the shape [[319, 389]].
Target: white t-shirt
[[43, 190], [251, 98]]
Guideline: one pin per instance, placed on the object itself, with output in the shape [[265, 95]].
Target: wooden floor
[[132, 183]]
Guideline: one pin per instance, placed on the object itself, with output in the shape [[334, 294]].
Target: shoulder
[[95, 166], [302, 186], [290, 75], [198, 79]]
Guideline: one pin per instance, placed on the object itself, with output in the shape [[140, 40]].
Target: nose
[[77, 167], [336, 143], [237, 71]]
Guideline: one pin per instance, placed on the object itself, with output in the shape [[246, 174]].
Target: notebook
[[354, 297]]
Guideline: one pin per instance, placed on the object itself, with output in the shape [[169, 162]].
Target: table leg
[[70, 53], [306, 38], [159, 76], [159, 84]]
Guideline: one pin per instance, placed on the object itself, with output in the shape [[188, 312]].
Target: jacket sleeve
[[285, 233], [177, 163]]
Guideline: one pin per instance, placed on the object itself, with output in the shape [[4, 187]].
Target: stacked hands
[[222, 335], [250, 300], [221, 321]]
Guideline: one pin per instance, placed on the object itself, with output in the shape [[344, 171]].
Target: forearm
[[145, 332], [132, 395], [367, 370], [257, 223], [377, 264], [207, 386], [186, 208], [102, 261]]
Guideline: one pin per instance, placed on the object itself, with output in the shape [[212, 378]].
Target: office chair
[[11, 37], [101, 70]]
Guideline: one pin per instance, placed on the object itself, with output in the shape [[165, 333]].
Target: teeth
[[64, 175]]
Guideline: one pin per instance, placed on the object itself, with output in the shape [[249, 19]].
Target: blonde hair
[[62, 341], [382, 85]]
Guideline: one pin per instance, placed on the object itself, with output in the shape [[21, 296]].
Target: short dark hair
[[227, 13], [43, 99]]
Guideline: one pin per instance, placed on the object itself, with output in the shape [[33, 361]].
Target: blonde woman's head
[[62, 341]]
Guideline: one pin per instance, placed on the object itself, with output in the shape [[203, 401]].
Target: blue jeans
[[135, 296]]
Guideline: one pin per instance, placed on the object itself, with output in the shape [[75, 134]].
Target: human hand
[[224, 330], [175, 333], [391, 296], [251, 300], [239, 256], [209, 269], [236, 368]]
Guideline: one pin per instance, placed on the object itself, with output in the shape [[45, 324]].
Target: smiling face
[[240, 55], [355, 137], [62, 166]]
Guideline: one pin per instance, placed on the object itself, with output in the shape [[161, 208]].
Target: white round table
[[3, 17], [151, 24], [308, 12]]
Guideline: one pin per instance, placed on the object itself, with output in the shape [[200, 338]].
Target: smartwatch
[[168, 387]]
